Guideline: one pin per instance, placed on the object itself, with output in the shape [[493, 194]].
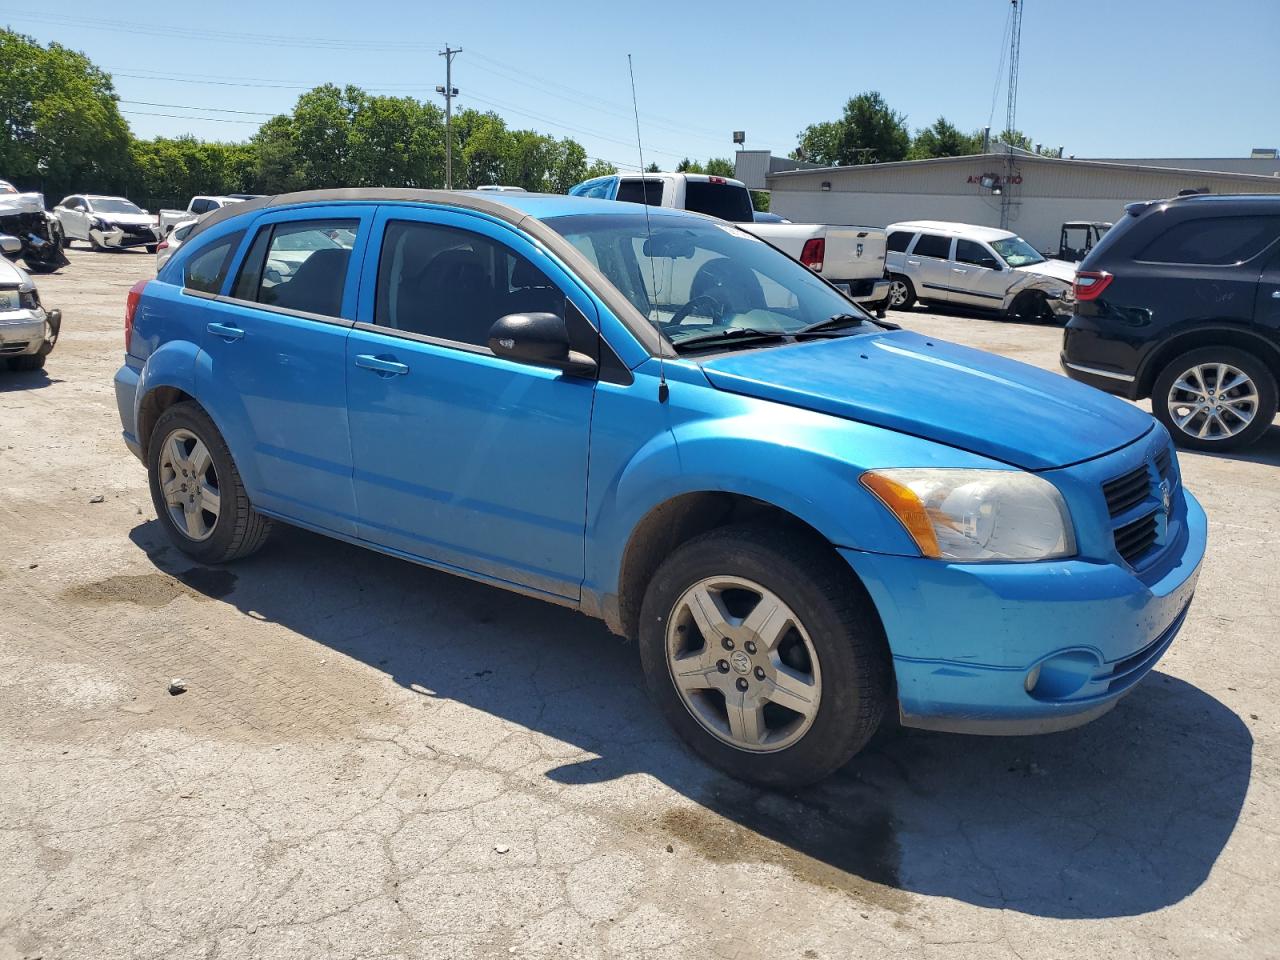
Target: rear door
[[462, 457], [929, 267], [1267, 310], [276, 363]]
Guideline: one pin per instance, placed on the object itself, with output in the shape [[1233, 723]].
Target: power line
[[183, 106], [175, 116]]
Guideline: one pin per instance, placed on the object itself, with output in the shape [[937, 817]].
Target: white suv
[[964, 264]]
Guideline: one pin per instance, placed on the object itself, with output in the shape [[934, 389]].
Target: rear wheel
[[1215, 398], [763, 655], [902, 293], [197, 491]]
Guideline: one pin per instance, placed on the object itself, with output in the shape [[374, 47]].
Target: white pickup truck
[[198, 207], [848, 256]]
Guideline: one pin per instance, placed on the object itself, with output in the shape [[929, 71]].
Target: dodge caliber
[[807, 519]]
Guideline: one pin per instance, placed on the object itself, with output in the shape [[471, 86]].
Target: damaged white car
[[27, 231], [28, 332], [107, 223]]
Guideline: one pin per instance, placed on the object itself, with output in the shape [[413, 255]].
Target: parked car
[[851, 257], [664, 423], [1077, 238], [764, 216], [106, 223], [497, 188], [169, 245], [936, 261], [1180, 302], [37, 233], [28, 332], [197, 207]]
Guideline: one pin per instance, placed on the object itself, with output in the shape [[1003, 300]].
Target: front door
[[981, 279], [276, 362], [461, 457]]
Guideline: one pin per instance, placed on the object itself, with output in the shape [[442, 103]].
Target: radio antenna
[[663, 390]]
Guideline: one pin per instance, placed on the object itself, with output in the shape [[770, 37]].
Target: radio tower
[[1011, 115]]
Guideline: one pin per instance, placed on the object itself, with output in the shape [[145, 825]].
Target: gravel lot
[[376, 760]]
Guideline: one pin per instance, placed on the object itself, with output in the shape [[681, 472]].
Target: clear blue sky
[[1101, 77]]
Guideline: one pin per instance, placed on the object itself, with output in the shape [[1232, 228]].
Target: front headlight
[[977, 514]]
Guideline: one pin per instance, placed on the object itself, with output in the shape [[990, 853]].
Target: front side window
[[1216, 241], [1017, 252], [207, 269], [201, 205], [305, 266], [453, 284], [636, 190], [692, 277], [932, 245], [595, 189], [724, 200], [967, 251]]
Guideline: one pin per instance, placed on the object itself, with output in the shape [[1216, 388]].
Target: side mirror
[[540, 339], [991, 263]]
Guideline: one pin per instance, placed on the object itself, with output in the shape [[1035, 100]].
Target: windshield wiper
[[733, 333], [838, 321]]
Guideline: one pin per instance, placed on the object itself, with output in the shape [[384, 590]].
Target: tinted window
[[1216, 240], [899, 240], [180, 233], [598, 189], [634, 191], [975, 253], [453, 284], [723, 200], [306, 266], [207, 269], [200, 206], [932, 245]]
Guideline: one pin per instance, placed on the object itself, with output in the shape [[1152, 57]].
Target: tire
[[840, 647], [902, 292], [236, 530], [1228, 429], [30, 361], [1031, 306], [151, 247]]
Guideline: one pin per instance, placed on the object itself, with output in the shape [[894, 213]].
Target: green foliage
[[688, 166], [653, 168], [944, 139], [599, 168], [868, 132], [760, 200], [718, 167]]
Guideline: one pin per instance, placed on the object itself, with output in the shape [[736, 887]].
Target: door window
[[932, 245], [1214, 241], [201, 205], [596, 189], [640, 191], [899, 240], [454, 285], [974, 253], [207, 269], [300, 265]]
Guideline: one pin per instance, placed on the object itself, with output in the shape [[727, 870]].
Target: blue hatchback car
[[805, 517]]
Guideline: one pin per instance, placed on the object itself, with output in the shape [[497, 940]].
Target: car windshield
[[114, 205], [695, 278], [1017, 252]]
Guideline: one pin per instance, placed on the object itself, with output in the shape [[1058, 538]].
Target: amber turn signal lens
[[906, 506]]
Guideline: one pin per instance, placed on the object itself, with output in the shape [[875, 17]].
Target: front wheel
[[197, 491], [1031, 307], [764, 654], [1215, 398]]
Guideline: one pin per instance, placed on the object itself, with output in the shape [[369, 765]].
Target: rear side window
[[899, 240], [305, 266], [932, 245], [207, 269], [1216, 241], [201, 206], [723, 200], [641, 191]]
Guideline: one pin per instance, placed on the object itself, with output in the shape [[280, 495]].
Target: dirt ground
[[376, 760]]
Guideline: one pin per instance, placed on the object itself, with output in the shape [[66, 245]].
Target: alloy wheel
[[189, 484], [897, 293], [743, 664], [1213, 401]]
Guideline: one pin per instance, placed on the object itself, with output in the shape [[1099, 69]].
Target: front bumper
[[118, 238], [1009, 648], [24, 332]]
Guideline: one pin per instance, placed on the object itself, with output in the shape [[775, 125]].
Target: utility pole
[[449, 91], [1011, 113]]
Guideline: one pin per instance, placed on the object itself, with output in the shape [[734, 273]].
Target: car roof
[[970, 231]]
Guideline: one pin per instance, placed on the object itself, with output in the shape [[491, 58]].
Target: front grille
[[1164, 464], [18, 347], [1137, 537], [1127, 491]]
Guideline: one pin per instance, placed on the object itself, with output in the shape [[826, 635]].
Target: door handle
[[1275, 294], [380, 366], [914, 263], [225, 331], [958, 270]]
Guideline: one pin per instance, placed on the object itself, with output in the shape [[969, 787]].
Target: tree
[[944, 139], [760, 200], [868, 132], [688, 166], [275, 157], [653, 168], [718, 167], [599, 168]]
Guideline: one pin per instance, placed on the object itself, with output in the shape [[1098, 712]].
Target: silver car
[[27, 331], [974, 266], [169, 245]]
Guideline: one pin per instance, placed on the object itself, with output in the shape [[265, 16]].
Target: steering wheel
[[715, 310]]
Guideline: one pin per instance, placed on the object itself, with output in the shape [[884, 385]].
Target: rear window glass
[[206, 270], [1214, 240], [634, 191], [723, 200], [932, 245], [899, 240]]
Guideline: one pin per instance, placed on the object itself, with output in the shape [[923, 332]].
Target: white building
[[1033, 195]]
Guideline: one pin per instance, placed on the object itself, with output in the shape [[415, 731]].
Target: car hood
[[1057, 269], [929, 388], [11, 275]]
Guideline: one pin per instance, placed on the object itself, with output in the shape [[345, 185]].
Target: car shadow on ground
[[968, 313], [14, 380], [1119, 818], [1265, 450]]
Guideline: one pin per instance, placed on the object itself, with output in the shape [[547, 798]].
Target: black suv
[[1180, 302]]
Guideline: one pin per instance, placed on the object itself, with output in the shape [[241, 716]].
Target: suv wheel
[[1215, 398], [762, 657], [196, 489], [902, 295], [1031, 307]]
